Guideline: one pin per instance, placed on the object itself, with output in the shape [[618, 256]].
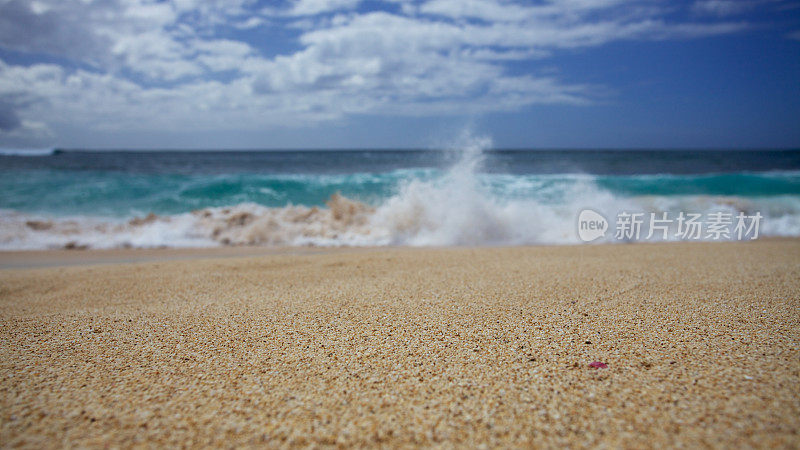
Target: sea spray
[[452, 210], [473, 200], [457, 207], [464, 208]]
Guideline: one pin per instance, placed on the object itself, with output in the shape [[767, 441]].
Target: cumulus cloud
[[186, 64], [8, 117]]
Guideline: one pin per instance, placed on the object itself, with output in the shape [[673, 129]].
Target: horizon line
[[400, 149]]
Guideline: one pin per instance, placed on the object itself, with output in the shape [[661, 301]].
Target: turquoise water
[[401, 197], [121, 194], [118, 194]]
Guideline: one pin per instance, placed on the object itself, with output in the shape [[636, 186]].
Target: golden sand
[[450, 347]]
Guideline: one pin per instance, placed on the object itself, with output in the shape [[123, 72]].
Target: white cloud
[[250, 22], [221, 54], [478, 9], [156, 55], [394, 64], [311, 7], [157, 65], [722, 8]]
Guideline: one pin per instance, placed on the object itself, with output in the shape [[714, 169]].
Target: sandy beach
[[398, 347]]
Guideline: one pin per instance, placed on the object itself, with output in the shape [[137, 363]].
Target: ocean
[[465, 196]]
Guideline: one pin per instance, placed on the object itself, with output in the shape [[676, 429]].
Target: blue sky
[[399, 73]]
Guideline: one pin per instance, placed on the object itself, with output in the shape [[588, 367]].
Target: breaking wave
[[462, 205]]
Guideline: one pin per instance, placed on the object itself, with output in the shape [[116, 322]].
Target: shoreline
[[672, 344], [33, 259]]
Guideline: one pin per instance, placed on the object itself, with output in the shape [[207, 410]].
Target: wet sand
[[388, 347]]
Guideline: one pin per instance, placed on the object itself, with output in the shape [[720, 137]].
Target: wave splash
[[462, 207], [243, 224]]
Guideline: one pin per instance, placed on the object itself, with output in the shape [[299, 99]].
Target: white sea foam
[[462, 207]]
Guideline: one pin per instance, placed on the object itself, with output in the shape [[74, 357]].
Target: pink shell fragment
[[598, 365]]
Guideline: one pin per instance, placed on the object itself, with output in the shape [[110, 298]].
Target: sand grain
[[409, 346]]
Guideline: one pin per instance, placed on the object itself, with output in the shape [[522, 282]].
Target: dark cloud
[[60, 32], [9, 120]]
